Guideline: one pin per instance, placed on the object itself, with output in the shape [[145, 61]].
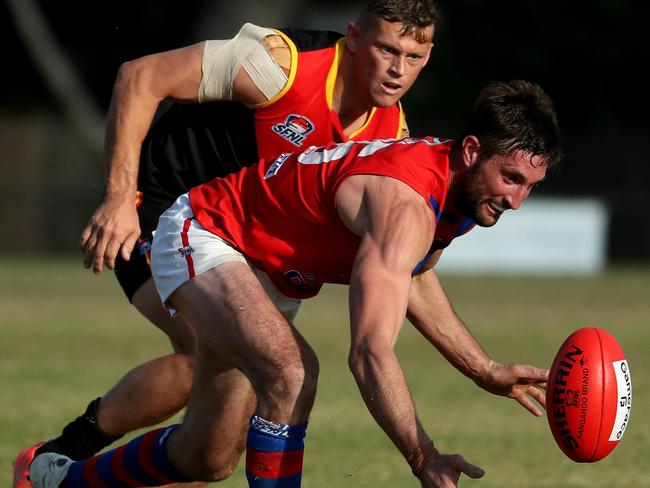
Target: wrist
[[481, 373], [420, 456], [120, 197]]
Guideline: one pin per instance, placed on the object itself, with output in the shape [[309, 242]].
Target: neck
[[347, 102], [456, 163]]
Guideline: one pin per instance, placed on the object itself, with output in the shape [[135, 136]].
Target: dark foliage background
[[592, 57]]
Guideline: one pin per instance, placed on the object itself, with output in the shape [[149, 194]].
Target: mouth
[[390, 88], [496, 208]]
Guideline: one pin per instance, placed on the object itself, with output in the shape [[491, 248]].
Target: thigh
[[178, 329], [236, 318]]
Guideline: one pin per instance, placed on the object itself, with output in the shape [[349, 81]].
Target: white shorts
[[182, 249]]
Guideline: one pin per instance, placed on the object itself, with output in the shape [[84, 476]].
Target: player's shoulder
[[310, 40], [289, 42]]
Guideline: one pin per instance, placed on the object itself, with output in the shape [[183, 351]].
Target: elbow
[[356, 361], [129, 71], [135, 78], [366, 357]]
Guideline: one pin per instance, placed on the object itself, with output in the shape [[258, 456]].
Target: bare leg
[[154, 391], [246, 350]]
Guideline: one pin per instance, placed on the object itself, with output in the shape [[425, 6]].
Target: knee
[[219, 470], [295, 381]]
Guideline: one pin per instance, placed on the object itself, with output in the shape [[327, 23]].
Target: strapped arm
[[260, 51]]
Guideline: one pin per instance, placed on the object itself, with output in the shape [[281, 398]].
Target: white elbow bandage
[[222, 61]]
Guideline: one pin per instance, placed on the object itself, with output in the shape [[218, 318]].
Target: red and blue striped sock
[[141, 462], [274, 454]]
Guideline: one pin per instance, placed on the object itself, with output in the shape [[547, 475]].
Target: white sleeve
[[223, 59]]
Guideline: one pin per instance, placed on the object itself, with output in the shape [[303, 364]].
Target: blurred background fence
[[60, 60]]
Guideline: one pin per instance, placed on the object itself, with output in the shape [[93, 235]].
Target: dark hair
[[515, 115], [415, 15]]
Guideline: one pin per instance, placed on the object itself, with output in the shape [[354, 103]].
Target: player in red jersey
[[264, 92], [226, 255]]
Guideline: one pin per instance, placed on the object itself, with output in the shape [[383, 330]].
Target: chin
[[484, 220], [384, 101]]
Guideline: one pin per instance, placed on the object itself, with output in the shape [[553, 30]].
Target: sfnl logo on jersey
[[294, 129]]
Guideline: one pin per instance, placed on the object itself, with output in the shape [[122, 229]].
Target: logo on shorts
[[304, 282], [295, 129], [185, 251], [144, 246]]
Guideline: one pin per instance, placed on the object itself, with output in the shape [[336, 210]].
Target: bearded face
[[491, 186]]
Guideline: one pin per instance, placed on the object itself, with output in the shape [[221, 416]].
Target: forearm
[[384, 390], [129, 117], [375, 326], [139, 88], [431, 313]]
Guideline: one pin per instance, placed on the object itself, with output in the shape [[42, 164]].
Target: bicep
[[395, 228], [172, 74]]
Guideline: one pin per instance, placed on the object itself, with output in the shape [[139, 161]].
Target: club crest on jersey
[[295, 129]]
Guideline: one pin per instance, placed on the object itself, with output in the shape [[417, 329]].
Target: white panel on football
[[624, 403], [545, 236]]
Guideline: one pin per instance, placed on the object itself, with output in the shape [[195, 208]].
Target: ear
[[431, 46], [471, 150], [353, 34], [426, 58]]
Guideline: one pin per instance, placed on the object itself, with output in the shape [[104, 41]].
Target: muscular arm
[[395, 228], [430, 311], [140, 86], [138, 90]]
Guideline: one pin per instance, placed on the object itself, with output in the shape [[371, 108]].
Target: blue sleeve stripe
[[465, 226], [436, 207]]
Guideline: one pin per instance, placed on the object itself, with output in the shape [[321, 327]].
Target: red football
[[589, 395]]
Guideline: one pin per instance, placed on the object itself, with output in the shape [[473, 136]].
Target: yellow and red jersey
[[192, 143]]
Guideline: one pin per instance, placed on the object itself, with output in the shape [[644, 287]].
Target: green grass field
[[68, 335]]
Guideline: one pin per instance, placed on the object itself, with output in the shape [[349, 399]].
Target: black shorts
[[132, 274]]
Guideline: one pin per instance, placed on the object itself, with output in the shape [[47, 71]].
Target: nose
[[516, 198], [397, 66]]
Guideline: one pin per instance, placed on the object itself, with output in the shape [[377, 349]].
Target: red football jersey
[[192, 143], [281, 213], [301, 114]]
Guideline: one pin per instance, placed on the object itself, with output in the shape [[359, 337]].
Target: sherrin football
[[589, 395]]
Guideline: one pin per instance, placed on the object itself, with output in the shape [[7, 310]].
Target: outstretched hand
[[520, 382], [444, 471], [114, 228]]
